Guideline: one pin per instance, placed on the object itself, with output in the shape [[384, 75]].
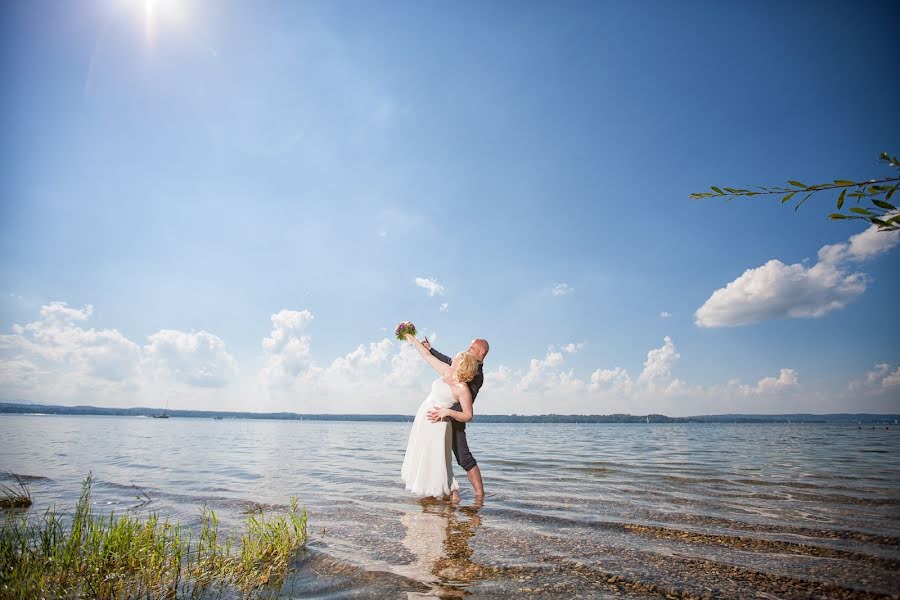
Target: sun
[[154, 14]]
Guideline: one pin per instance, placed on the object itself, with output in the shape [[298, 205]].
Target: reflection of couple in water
[[438, 537], [440, 423]]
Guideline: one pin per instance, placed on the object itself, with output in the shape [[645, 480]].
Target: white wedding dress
[[426, 467]]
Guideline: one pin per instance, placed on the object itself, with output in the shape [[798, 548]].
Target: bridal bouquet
[[404, 328]]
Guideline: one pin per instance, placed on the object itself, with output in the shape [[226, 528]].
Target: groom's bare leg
[[465, 459], [474, 475]]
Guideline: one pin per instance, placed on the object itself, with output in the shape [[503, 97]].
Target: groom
[[479, 348]]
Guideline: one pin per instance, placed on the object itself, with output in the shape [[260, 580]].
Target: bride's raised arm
[[441, 367]]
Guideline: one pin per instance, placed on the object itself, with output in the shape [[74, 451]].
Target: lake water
[[633, 511]]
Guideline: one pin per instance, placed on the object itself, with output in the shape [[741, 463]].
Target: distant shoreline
[[837, 418]]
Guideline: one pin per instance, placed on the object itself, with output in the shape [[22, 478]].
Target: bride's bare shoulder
[[459, 387]]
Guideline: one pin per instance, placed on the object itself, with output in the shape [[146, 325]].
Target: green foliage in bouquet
[[404, 328]]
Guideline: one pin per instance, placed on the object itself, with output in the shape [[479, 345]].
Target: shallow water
[[625, 510]]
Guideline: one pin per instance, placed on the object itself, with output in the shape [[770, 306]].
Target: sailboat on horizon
[[165, 412]]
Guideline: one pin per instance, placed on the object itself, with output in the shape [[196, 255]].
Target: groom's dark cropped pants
[[460, 446], [461, 451]]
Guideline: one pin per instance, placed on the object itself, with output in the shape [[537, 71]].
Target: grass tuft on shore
[[127, 556], [15, 496]]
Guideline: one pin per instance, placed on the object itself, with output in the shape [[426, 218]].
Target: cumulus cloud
[[892, 379], [549, 384], [665, 315], [616, 380], [58, 358], [57, 342], [573, 347], [286, 348], [561, 289], [658, 366], [861, 246], [787, 379], [777, 290], [550, 376], [430, 285], [445, 306], [769, 385], [195, 358], [882, 378], [375, 377], [540, 371]]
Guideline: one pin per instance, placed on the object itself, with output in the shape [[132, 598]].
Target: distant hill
[[28, 408]]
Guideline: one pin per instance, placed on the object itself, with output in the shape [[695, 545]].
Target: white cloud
[[776, 290], [430, 285], [573, 347], [616, 380], [57, 358], [665, 315], [882, 378], [196, 358], [287, 348], [57, 343], [861, 246], [657, 373], [769, 385], [377, 377], [406, 368], [445, 307], [892, 380], [561, 289], [354, 364], [537, 375], [548, 384]]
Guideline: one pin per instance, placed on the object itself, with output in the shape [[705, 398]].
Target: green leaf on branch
[[843, 182], [861, 211], [797, 184], [716, 190], [799, 204], [840, 202], [885, 205], [879, 222], [788, 197], [837, 216]]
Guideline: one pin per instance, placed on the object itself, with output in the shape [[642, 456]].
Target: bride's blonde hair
[[467, 368]]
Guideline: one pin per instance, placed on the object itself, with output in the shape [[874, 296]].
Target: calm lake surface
[[634, 511]]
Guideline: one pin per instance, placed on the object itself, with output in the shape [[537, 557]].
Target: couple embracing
[[440, 423]]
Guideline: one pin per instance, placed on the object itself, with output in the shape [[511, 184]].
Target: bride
[[426, 467]]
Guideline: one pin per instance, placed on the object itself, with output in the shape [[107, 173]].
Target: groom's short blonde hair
[[467, 368]]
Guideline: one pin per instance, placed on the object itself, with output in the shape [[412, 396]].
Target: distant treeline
[[22, 408]]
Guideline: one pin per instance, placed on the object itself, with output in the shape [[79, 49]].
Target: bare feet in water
[[454, 497]]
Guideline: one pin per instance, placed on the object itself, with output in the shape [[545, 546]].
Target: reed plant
[[15, 495], [129, 556]]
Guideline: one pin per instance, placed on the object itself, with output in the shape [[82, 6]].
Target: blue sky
[[191, 170]]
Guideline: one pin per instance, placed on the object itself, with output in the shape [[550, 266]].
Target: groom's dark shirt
[[474, 385]]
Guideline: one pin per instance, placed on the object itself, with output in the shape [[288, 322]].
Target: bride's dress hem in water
[[427, 470]]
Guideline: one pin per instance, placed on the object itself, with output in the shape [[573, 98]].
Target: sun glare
[[158, 13]]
